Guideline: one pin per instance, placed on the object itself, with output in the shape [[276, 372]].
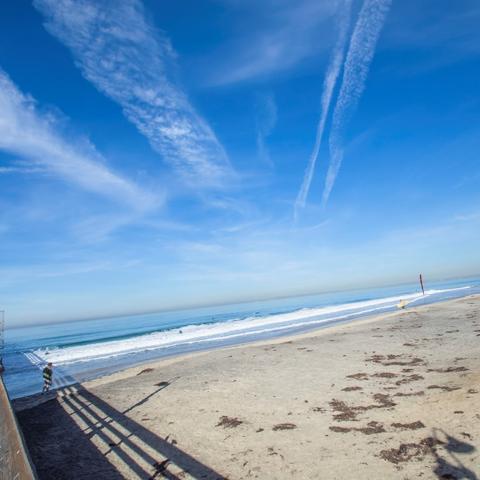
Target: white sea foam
[[228, 330]]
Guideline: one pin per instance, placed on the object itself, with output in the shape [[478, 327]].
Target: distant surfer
[[47, 377]]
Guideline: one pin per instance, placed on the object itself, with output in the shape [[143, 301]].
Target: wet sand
[[392, 397]]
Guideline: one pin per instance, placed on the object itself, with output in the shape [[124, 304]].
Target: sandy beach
[[390, 397]]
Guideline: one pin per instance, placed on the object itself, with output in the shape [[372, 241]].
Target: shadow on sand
[[100, 438], [451, 467]]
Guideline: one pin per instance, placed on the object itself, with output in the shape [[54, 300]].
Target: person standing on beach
[[47, 377]]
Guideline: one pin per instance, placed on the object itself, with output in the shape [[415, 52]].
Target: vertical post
[[2, 339], [421, 284]]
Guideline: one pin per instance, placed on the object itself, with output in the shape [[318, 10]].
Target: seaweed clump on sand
[[385, 375], [337, 429], [390, 360], [346, 412], [409, 394], [409, 426], [284, 426], [448, 370], [371, 429], [408, 451], [409, 378], [229, 422], [445, 388], [358, 376]]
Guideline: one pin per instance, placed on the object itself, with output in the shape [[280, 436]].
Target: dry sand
[[394, 397]]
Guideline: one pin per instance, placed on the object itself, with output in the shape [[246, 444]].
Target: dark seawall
[[15, 463]]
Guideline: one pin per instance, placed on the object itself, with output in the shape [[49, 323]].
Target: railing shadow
[[58, 448], [116, 440], [78, 435], [451, 467]]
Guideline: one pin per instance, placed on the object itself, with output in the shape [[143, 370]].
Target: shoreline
[[28, 400], [101, 356], [317, 332], [390, 396]]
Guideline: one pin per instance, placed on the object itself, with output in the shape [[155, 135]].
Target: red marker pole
[[421, 284]]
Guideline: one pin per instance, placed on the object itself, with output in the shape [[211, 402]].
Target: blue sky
[[166, 154]]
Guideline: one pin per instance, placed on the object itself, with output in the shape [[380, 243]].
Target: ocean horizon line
[[187, 308]]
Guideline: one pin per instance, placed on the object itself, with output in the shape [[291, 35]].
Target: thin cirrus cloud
[[265, 123], [331, 76], [19, 169], [126, 59], [275, 36], [35, 138], [357, 64]]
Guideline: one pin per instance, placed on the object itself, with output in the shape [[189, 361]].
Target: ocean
[[88, 349]]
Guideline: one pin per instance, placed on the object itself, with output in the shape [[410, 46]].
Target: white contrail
[[329, 83], [359, 57]]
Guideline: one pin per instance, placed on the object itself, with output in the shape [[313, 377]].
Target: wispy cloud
[[265, 123], [10, 276], [98, 228], [329, 83], [122, 54], [36, 138], [274, 36], [450, 32], [5, 170], [359, 57]]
